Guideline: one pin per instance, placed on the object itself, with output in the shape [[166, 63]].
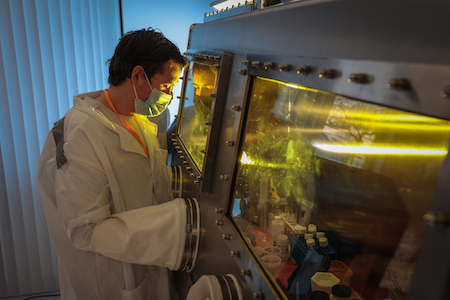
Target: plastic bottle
[[319, 295], [341, 292], [277, 227], [309, 236], [320, 234], [323, 242], [327, 248], [300, 231], [312, 229], [283, 243], [310, 243]]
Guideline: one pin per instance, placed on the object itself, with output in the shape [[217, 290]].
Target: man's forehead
[[172, 67]]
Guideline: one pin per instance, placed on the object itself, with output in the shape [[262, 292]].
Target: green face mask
[[156, 103]]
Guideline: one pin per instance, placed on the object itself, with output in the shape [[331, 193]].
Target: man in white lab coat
[[101, 173]]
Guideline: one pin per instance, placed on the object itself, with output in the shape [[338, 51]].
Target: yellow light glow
[[380, 150], [245, 160], [394, 119], [391, 118], [292, 85]]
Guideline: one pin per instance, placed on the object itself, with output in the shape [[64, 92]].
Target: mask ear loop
[[148, 81], [134, 88]]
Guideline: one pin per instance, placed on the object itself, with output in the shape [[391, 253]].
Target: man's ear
[[136, 73]]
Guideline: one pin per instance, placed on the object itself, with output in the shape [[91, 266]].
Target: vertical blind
[[50, 50]]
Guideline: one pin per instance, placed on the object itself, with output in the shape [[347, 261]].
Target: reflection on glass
[[331, 189], [197, 110]]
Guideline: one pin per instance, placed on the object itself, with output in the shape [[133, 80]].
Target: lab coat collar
[[86, 103]]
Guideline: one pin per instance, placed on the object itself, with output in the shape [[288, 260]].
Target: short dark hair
[[147, 48]]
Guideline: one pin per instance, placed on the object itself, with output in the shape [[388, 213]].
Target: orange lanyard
[[125, 122]]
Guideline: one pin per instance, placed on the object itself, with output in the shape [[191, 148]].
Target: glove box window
[[331, 184], [194, 126]]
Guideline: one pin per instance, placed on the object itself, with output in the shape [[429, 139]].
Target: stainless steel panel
[[215, 252], [423, 95], [382, 39], [401, 30]]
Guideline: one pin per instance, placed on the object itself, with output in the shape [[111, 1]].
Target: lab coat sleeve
[[82, 192], [152, 235]]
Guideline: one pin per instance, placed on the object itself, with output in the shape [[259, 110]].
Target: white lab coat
[[112, 243]]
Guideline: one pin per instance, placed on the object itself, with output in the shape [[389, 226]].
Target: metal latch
[[437, 218]]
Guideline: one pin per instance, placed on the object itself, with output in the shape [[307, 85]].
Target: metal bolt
[[258, 296], [236, 108], [358, 78], [229, 143], [226, 236], [203, 151], [219, 210], [400, 84], [208, 123], [246, 62], [212, 95], [243, 72], [219, 222], [234, 253], [305, 70], [269, 65], [446, 93], [224, 177], [192, 175], [257, 64], [246, 273], [328, 73], [196, 182], [284, 68]]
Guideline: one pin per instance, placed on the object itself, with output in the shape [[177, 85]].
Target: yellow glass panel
[[357, 176], [197, 110]]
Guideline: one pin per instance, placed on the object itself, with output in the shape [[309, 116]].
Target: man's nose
[[198, 91], [167, 90], [201, 91]]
